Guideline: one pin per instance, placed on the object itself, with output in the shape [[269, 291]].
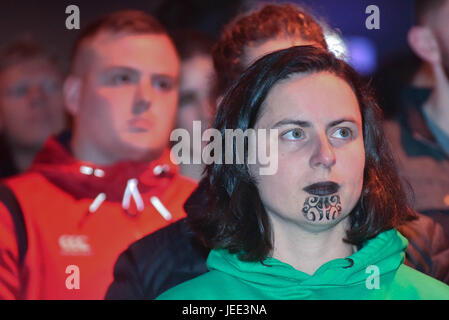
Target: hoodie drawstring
[[97, 202], [130, 191], [160, 208]]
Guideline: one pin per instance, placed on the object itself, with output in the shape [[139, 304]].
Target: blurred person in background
[[419, 135], [90, 194], [252, 35], [31, 104], [195, 84]]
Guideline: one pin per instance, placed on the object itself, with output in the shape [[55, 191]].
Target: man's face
[[128, 97], [321, 154], [31, 104]]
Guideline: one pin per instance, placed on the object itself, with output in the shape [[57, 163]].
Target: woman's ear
[[424, 44], [72, 93]]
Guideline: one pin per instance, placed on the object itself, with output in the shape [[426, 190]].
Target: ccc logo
[[74, 244]]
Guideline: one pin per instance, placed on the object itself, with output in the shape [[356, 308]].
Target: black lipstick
[[322, 188]]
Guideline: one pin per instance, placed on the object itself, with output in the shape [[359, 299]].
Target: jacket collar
[[87, 180], [386, 250]]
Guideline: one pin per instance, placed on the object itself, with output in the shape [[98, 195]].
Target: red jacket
[[78, 219]]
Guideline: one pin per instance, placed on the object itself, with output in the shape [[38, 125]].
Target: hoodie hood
[[386, 251], [122, 182], [374, 272]]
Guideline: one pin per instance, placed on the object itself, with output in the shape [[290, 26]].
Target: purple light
[[362, 54]]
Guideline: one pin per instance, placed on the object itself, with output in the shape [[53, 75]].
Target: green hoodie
[[230, 278]]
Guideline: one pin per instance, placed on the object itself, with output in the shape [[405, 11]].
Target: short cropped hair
[[123, 21], [270, 21], [21, 51], [424, 7], [232, 215]]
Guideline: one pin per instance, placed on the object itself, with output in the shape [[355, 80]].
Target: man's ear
[[72, 93], [424, 44]]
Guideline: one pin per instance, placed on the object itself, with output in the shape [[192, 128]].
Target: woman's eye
[[342, 133], [294, 134]]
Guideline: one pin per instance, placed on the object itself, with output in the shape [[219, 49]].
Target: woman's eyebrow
[[300, 123], [307, 124], [337, 122]]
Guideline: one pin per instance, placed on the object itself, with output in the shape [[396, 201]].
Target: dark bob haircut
[[231, 215]]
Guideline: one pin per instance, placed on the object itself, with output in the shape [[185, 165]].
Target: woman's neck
[[308, 250]]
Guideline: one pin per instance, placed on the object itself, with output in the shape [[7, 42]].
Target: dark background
[[44, 20]]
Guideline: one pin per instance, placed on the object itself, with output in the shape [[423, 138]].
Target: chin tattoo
[[317, 208]]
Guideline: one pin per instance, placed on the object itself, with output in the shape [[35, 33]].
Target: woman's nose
[[323, 155]]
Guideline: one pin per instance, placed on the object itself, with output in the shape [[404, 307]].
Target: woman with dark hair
[[322, 226], [173, 254]]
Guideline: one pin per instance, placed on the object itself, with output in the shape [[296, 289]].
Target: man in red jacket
[[90, 194]]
